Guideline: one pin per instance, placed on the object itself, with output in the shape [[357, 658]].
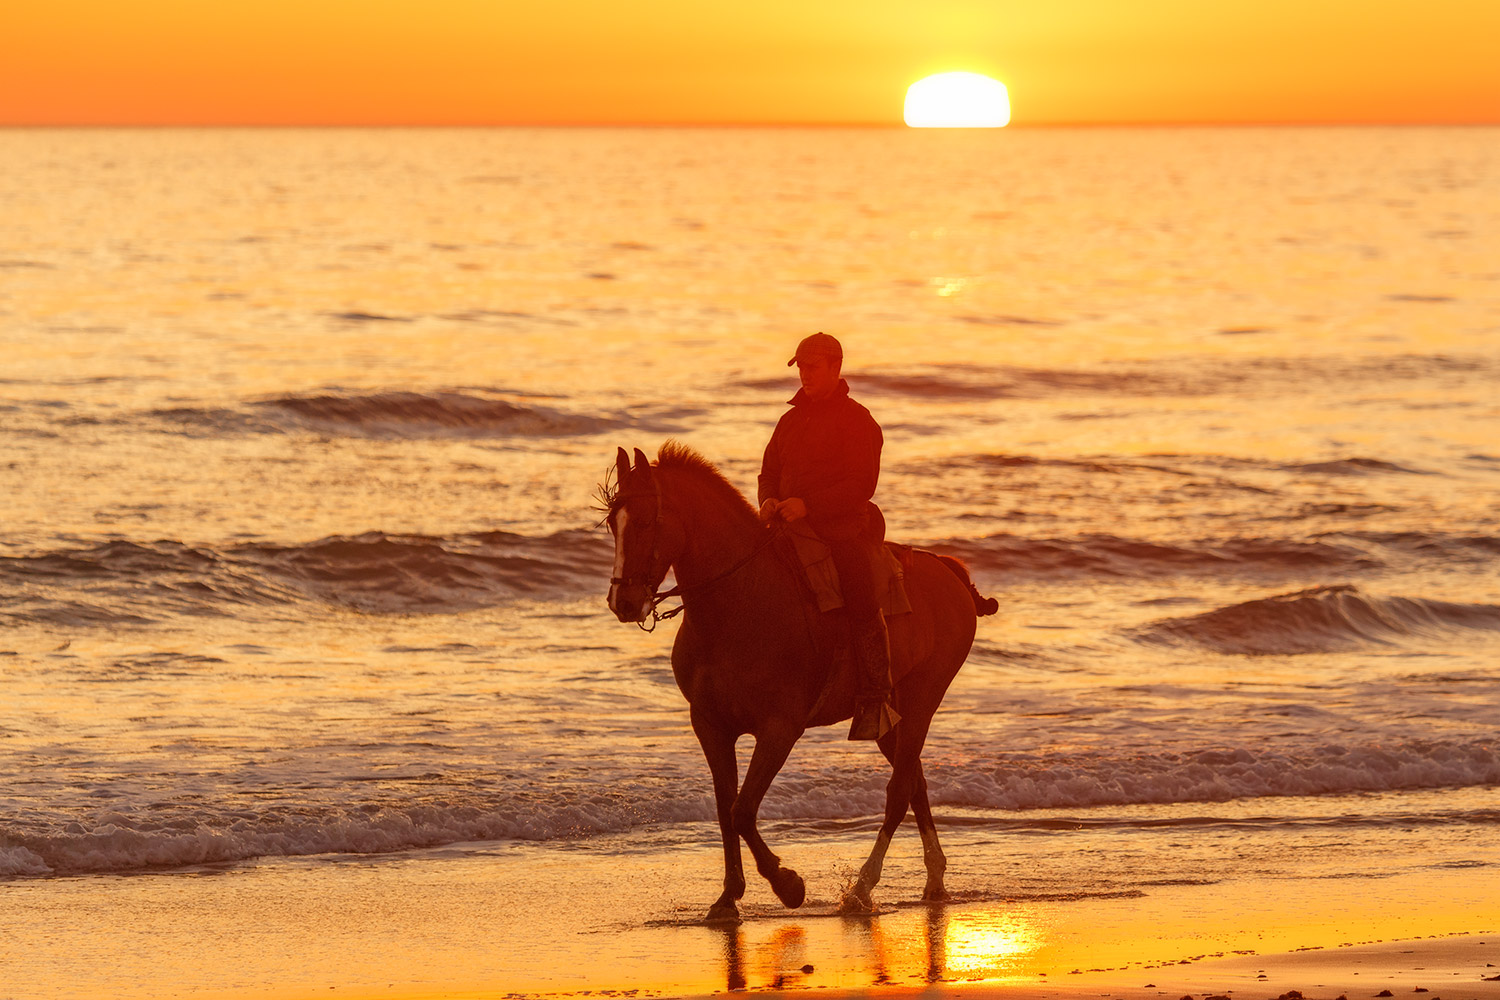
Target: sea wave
[[1188, 377], [1448, 548], [396, 414], [1216, 774], [123, 839], [1357, 466], [1112, 555], [125, 581], [403, 414], [424, 414], [378, 572], [1177, 465], [1323, 619]]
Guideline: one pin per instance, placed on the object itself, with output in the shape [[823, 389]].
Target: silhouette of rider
[[822, 464]]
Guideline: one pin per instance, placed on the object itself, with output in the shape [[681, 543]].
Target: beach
[[308, 685], [515, 920]]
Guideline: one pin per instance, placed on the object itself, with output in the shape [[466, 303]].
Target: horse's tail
[[982, 605]]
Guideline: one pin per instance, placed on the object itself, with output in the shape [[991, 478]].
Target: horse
[[752, 656]]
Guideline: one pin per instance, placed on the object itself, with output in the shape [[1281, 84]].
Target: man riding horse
[[748, 656], [822, 464]]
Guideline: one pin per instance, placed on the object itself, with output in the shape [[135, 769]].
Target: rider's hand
[[793, 509], [768, 510]]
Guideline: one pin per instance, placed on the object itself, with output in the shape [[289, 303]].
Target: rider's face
[[819, 375]]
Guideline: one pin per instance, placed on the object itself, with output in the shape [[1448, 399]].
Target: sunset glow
[[586, 62], [957, 100]]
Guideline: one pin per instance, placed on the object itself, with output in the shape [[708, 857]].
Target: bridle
[[773, 531]]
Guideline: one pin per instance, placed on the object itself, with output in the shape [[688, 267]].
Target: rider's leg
[[873, 716]]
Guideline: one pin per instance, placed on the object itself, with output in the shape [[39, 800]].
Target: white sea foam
[[1217, 775], [118, 841], [18, 861]]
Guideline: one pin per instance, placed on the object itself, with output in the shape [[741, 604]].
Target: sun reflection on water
[[986, 944]]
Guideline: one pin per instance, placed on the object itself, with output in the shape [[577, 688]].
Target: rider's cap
[[819, 345]]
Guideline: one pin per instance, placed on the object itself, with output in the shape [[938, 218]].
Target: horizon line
[[1024, 125]]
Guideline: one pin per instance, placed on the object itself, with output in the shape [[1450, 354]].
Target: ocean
[[300, 576]]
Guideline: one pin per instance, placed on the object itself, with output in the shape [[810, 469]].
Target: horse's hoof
[[935, 894], [789, 888], [722, 913], [857, 901]]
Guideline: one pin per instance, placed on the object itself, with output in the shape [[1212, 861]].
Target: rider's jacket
[[828, 453]]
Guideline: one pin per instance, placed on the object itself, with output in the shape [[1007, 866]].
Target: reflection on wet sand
[[868, 931], [734, 961], [988, 944], [932, 944], [783, 957], [937, 944]]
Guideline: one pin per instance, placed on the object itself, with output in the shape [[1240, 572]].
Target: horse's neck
[[716, 537]]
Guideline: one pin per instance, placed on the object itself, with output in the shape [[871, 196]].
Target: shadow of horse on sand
[[753, 657]]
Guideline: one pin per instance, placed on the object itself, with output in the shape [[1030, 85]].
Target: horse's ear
[[622, 465], [641, 462]]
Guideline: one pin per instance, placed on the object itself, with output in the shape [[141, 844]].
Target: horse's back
[[932, 641], [928, 644]]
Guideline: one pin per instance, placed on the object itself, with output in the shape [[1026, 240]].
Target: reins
[[773, 531]]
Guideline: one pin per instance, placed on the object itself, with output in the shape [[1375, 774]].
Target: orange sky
[[771, 61]]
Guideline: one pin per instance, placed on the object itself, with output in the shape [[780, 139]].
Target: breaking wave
[[1323, 619], [124, 839], [401, 414], [388, 415], [1204, 376], [1111, 555], [140, 582], [404, 573], [125, 581], [1215, 775], [1354, 467]]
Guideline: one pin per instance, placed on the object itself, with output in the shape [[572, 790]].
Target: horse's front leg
[[771, 749], [718, 748]]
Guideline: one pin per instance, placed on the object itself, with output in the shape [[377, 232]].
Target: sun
[[957, 100]]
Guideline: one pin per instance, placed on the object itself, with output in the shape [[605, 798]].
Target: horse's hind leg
[[718, 748], [771, 750], [933, 858], [932, 852], [902, 746]]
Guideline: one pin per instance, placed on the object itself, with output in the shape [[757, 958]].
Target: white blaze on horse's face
[[617, 526], [630, 601], [621, 519]]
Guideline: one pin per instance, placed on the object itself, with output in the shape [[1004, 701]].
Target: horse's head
[[644, 538]]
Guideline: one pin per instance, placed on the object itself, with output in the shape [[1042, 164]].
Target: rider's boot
[[873, 715]]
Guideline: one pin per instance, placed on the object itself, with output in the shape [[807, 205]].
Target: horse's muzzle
[[631, 602]]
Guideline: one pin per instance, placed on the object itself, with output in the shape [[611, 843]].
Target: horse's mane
[[675, 456]]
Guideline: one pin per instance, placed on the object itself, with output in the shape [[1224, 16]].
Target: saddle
[[816, 560]]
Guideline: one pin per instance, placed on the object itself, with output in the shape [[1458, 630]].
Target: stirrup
[[872, 720]]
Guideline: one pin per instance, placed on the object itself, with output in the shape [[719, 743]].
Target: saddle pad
[[817, 563]]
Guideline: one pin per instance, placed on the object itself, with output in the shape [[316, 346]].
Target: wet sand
[[1454, 967], [512, 920]]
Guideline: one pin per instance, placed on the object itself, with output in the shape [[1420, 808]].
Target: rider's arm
[[769, 482]]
